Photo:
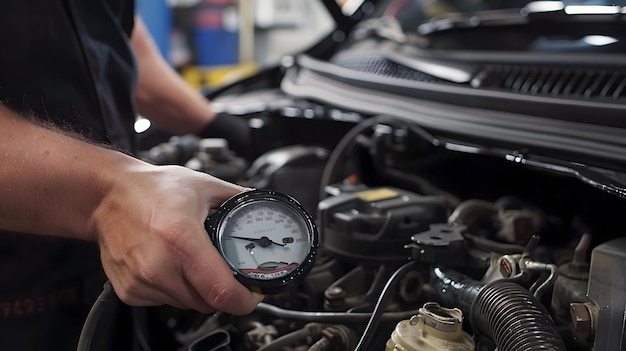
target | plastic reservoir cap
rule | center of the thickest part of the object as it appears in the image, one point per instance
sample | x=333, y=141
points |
x=434, y=328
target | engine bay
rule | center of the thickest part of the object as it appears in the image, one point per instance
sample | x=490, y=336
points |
x=465, y=198
x=426, y=244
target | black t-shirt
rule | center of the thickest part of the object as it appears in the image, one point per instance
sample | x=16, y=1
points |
x=66, y=62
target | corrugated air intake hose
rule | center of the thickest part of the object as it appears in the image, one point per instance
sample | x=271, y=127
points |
x=502, y=310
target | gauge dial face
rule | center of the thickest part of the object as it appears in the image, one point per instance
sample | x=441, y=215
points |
x=264, y=239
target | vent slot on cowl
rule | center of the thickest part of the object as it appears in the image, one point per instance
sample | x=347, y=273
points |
x=553, y=81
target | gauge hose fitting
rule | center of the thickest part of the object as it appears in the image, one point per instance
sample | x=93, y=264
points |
x=502, y=310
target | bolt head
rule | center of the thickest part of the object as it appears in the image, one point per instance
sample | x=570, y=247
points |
x=582, y=326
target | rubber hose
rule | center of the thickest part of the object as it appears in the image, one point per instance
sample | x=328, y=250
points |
x=332, y=317
x=322, y=344
x=286, y=340
x=455, y=289
x=504, y=311
x=484, y=244
x=309, y=330
x=511, y=316
x=106, y=301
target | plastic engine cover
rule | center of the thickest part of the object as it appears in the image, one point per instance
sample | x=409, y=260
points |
x=373, y=226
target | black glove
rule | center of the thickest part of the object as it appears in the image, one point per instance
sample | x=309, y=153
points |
x=232, y=128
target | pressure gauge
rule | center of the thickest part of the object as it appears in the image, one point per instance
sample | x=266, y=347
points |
x=267, y=238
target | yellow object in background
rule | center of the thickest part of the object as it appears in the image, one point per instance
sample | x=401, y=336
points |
x=376, y=194
x=200, y=77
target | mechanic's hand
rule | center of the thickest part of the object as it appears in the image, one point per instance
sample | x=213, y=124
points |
x=234, y=129
x=154, y=248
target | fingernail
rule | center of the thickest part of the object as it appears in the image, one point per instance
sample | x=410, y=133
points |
x=257, y=297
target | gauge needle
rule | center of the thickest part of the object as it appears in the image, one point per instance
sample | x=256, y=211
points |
x=262, y=241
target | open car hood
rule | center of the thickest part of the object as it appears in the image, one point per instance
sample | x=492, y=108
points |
x=537, y=96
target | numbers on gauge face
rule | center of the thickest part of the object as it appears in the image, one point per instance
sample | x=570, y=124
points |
x=264, y=239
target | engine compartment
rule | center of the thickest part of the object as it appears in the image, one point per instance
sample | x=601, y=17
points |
x=416, y=234
x=466, y=199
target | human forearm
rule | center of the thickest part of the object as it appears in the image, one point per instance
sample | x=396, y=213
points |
x=51, y=182
x=148, y=220
x=162, y=95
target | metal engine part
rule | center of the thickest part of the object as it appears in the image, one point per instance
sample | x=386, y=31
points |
x=607, y=290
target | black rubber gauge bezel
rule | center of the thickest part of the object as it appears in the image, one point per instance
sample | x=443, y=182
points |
x=215, y=221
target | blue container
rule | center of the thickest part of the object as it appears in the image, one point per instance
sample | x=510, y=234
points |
x=157, y=16
x=215, y=44
x=216, y=47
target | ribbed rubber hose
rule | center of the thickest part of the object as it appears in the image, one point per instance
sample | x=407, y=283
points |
x=505, y=311
x=512, y=317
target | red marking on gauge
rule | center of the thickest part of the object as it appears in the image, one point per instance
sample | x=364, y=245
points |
x=262, y=271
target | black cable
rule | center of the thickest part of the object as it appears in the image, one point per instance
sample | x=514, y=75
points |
x=139, y=324
x=338, y=152
x=379, y=309
x=348, y=139
x=105, y=301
